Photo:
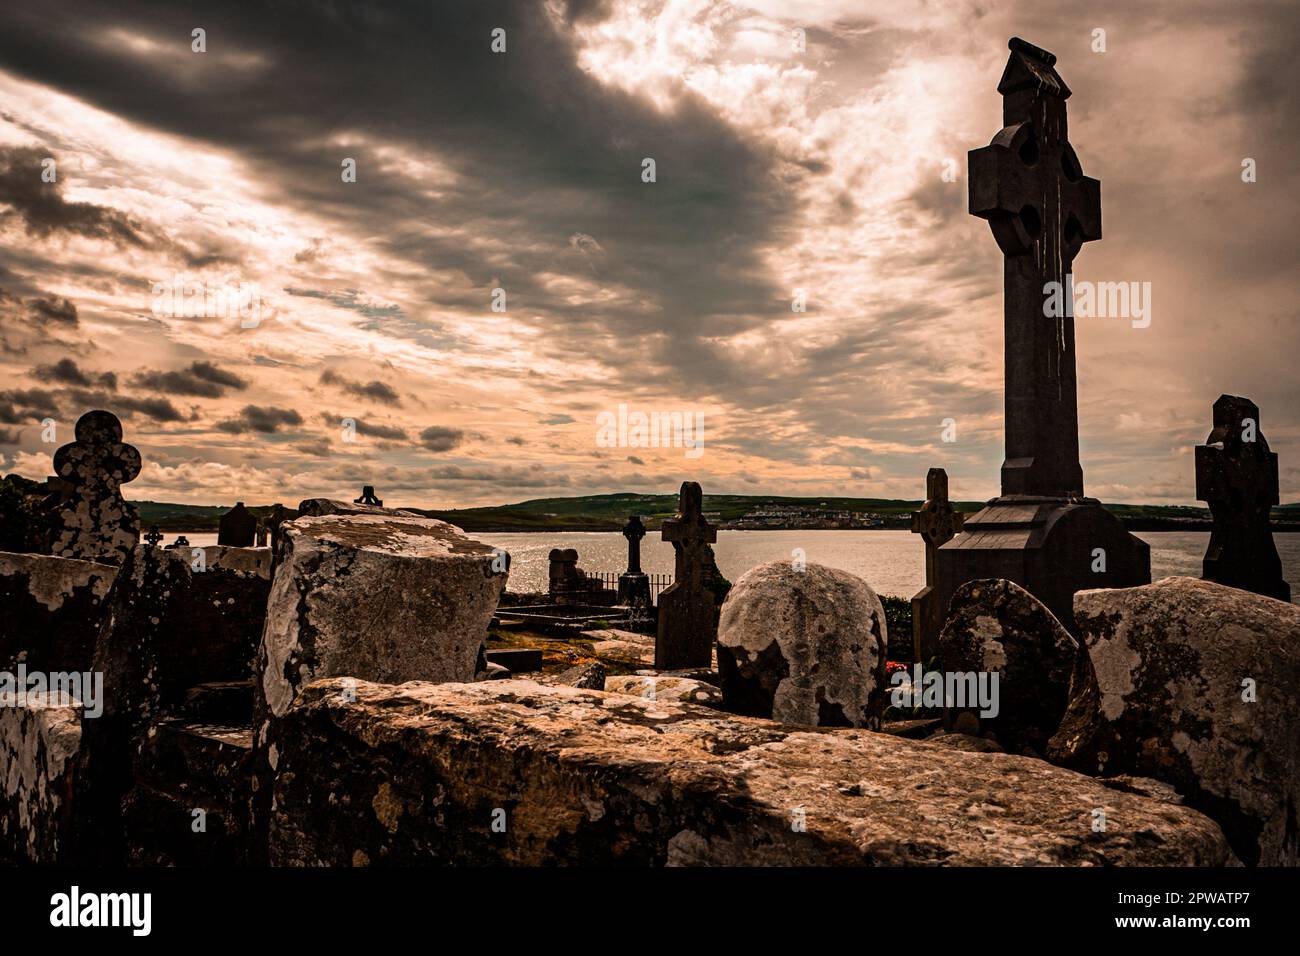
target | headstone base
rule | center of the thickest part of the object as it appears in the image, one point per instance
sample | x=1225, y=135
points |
x=1049, y=546
x=634, y=590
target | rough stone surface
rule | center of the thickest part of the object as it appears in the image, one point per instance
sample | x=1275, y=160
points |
x=40, y=739
x=1170, y=664
x=589, y=676
x=997, y=627
x=681, y=689
x=379, y=597
x=415, y=774
x=52, y=610
x=804, y=647
x=176, y=618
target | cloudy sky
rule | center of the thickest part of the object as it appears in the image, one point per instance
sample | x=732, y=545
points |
x=777, y=169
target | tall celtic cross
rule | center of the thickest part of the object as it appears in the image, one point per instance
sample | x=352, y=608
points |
x=1029, y=186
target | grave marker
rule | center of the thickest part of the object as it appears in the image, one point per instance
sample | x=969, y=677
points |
x=92, y=520
x=688, y=624
x=634, y=584
x=238, y=527
x=937, y=524
x=1236, y=474
x=1042, y=533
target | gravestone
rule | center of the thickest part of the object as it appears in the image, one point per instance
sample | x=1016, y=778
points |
x=92, y=520
x=272, y=522
x=688, y=620
x=154, y=536
x=368, y=497
x=180, y=542
x=1041, y=533
x=937, y=524
x=260, y=535
x=1237, y=475
x=634, y=584
x=238, y=527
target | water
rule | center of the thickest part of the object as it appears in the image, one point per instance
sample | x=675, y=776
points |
x=892, y=562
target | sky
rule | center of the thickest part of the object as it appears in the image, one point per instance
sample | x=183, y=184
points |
x=455, y=323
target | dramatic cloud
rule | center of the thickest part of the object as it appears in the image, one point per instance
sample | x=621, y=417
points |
x=257, y=418
x=201, y=378
x=43, y=209
x=67, y=371
x=373, y=390
x=436, y=438
x=800, y=270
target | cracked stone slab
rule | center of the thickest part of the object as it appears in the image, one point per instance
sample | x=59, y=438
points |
x=516, y=772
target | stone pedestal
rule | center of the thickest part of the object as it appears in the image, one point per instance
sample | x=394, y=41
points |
x=1049, y=546
x=634, y=589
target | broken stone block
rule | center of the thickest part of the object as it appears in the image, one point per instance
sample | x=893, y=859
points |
x=681, y=689
x=804, y=647
x=375, y=596
x=520, y=773
x=1194, y=683
x=52, y=610
x=997, y=627
x=40, y=741
x=176, y=618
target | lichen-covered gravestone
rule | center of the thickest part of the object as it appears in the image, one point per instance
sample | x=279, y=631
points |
x=997, y=627
x=94, y=522
x=804, y=647
x=1198, y=685
x=1237, y=474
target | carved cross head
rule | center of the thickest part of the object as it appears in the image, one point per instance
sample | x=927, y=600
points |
x=1028, y=182
x=98, y=463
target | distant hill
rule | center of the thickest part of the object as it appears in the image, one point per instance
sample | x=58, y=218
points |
x=609, y=512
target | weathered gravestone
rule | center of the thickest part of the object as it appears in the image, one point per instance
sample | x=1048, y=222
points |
x=238, y=527
x=937, y=524
x=1237, y=474
x=1042, y=533
x=688, y=619
x=180, y=542
x=93, y=521
x=154, y=536
x=634, y=584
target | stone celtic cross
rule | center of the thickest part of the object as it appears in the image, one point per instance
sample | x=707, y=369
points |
x=154, y=536
x=1030, y=187
x=687, y=609
x=94, y=521
x=634, y=531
